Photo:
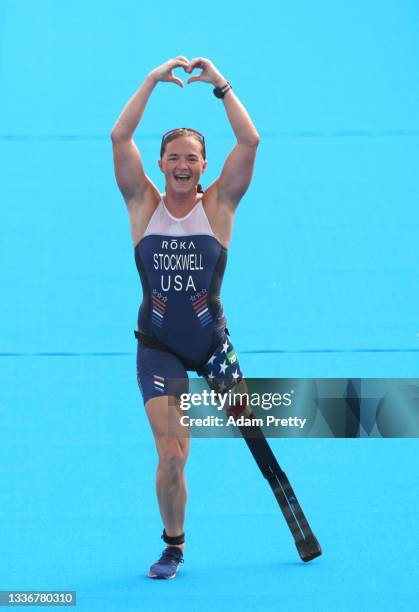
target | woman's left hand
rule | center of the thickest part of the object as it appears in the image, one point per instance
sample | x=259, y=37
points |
x=209, y=73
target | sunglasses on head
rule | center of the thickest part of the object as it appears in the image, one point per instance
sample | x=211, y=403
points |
x=170, y=132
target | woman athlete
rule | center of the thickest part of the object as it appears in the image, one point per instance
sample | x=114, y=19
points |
x=181, y=239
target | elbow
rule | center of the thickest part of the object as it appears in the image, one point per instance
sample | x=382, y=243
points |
x=256, y=140
x=252, y=141
x=117, y=135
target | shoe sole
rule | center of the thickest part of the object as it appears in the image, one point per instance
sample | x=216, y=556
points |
x=157, y=577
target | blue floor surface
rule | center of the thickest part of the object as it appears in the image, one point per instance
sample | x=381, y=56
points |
x=321, y=282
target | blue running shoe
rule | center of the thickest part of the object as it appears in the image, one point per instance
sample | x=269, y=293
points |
x=166, y=567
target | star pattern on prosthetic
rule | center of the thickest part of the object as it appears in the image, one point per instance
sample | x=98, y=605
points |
x=225, y=347
x=211, y=361
x=235, y=375
x=221, y=386
x=211, y=375
x=223, y=367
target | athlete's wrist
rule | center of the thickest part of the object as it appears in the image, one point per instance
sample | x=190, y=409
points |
x=152, y=78
x=220, y=92
x=219, y=80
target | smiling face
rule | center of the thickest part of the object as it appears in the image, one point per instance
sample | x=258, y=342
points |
x=182, y=164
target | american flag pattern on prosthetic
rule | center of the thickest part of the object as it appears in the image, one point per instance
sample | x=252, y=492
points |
x=159, y=383
x=158, y=308
x=222, y=371
x=200, y=306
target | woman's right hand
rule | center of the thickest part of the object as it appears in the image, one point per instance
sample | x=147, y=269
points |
x=164, y=73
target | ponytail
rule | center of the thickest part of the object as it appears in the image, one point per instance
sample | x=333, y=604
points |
x=199, y=188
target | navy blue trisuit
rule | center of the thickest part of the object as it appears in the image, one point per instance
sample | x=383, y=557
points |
x=181, y=323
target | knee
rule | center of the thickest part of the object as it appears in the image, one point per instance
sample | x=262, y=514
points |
x=172, y=460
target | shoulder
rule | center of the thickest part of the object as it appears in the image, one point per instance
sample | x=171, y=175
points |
x=219, y=215
x=141, y=212
x=149, y=198
x=209, y=198
x=214, y=204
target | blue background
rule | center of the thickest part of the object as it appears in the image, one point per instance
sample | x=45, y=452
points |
x=321, y=282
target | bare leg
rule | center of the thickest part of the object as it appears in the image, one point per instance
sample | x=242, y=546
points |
x=172, y=443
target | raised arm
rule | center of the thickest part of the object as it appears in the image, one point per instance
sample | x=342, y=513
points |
x=130, y=176
x=238, y=167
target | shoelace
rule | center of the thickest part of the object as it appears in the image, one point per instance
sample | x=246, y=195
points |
x=169, y=556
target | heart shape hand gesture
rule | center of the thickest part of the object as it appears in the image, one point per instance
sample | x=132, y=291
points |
x=209, y=73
